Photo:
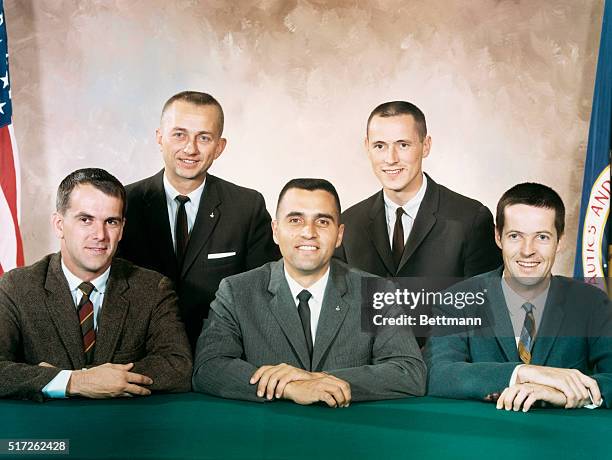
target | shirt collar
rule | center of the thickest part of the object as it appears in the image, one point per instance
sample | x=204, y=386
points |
x=172, y=193
x=317, y=290
x=412, y=206
x=515, y=301
x=74, y=282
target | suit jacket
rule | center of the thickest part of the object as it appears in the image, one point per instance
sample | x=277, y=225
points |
x=452, y=236
x=138, y=323
x=254, y=321
x=575, y=333
x=229, y=219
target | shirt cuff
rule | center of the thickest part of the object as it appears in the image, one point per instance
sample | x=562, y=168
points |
x=56, y=388
x=514, y=375
x=593, y=405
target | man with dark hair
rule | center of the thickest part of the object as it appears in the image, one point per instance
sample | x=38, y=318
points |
x=292, y=328
x=413, y=226
x=81, y=323
x=548, y=338
x=189, y=225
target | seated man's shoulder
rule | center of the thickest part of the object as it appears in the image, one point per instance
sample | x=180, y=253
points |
x=23, y=277
x=139, y=277
x=579, y=290
x=259, y=276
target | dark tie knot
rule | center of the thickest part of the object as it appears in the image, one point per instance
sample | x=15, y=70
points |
x=304, y=296
x=399, y=212
x=182, y=199
x=86, y=288
x=528, y=307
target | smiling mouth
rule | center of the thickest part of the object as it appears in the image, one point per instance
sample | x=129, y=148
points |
x=187, y=162
x=307, y=247
x=393, y=172
x=525, y=264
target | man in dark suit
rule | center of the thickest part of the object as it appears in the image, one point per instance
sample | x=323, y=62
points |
x=80, y=323
x=438, y=233
x=548, y=338
x=292, y=328
x=191, y=226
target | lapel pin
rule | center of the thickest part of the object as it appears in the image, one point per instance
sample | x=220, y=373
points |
x=212, y=214
x=338, y=308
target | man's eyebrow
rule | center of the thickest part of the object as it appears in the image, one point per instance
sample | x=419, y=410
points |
x=184, y=130
x=294, y=214
x=326, y=216
x=84, y=214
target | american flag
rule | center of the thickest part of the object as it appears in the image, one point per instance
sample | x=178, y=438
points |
x=11, y=248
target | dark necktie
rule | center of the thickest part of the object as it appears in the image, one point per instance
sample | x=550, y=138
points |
x=181, y=231
x=398, y=237
x=86, y=319
x=304, y=311
x=528, y=333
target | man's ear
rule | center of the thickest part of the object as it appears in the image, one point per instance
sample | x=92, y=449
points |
x=426, y=146
x=274, y=229
x=340, y=235
x=158, y=136
x=498, y=239
x=220, y=147
x=57, y=222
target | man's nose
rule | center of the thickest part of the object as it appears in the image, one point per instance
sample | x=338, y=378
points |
x=391, y=156
x=191, y=147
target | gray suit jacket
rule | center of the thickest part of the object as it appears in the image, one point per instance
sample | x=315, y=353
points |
x=575, y=333
x=254, y=322
x=138, y=323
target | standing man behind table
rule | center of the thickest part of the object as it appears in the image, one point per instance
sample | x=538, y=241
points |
x=82, y=323
x=413, y=226
x=189, y=225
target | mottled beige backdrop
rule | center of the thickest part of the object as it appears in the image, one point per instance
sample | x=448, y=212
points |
x=506, y=86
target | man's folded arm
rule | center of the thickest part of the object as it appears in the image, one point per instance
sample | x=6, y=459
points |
x=397, y=369
x=17, y=380
x=218, y=368
x=453, y=375
x=168, y=359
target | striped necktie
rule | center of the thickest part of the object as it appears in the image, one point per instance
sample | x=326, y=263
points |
x=86, y=319
x=528, y=333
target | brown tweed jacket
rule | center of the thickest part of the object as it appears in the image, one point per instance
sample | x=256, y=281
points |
x=138, y=323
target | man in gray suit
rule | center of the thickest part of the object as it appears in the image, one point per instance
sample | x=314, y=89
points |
x=548, y=339
x=291, y=329
x=80, y=323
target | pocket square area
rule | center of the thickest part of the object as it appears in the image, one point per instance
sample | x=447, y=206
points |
x=220, y=255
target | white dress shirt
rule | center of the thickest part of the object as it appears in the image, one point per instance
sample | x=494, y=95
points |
x=411, y=208
x=191, y=207
x=317, y=290
x=56, y=388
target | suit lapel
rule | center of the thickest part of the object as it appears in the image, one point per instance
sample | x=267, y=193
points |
x=379, y=234
x=158, y=223
x=207, y=218
x=333, y=312
x=112, y=316
x=551, y=322
x=285, y=311
x=62, y=310
x=424, y=221
x=502, y=324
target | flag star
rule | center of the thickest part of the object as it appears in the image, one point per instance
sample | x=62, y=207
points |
x=4, y=80
x=2, y=104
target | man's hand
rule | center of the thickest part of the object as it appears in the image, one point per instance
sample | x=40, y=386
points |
x=524, y=395
x=108, y=381
x=328, y=389
x=571, y=382
x=273, y=379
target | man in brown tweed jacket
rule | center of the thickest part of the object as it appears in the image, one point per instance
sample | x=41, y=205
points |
x=80, y=323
